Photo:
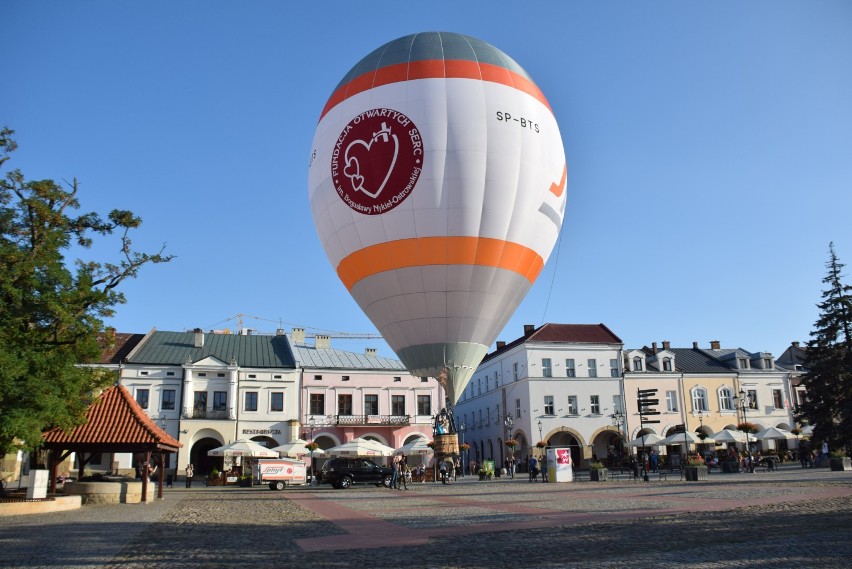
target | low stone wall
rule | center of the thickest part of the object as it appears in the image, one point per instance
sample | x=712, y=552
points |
x=58, y=504
x=106, y=492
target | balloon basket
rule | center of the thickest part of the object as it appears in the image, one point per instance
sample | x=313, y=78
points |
x=446, y=445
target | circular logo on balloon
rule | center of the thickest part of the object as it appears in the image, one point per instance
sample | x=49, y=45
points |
x=376, y=161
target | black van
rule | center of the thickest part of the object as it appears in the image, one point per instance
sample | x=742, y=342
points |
x=343, y=472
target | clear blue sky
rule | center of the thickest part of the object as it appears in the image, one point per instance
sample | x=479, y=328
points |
x=709, y=148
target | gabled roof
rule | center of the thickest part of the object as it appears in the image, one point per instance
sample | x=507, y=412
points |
x=312, y=357
x=121, y=348
x=694, y=360
x=176, y=348
x=563, y=333
x=114, y=423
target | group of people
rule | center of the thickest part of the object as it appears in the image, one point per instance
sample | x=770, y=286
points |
x=537, y=467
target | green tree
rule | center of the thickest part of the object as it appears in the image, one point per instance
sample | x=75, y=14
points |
x=52, y=311
x=828, y=405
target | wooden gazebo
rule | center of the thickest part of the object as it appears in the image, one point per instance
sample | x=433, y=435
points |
x=114, y=423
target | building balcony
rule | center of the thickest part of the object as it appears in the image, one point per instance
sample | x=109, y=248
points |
x=362, y=420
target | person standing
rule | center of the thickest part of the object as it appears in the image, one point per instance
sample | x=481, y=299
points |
x=533, y=468
x=190, y=472
x=394, y=484
x=654, y=460
x=543, y=468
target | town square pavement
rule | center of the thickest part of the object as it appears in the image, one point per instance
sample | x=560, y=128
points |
x=793, y=517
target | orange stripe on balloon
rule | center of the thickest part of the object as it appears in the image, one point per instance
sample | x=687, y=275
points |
x=434, y=69
x=557, y=189
x=425, y=251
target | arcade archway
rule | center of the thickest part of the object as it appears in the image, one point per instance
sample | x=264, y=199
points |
x=202, y=463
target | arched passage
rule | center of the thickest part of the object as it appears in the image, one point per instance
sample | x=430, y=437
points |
x=202, y=463
x=570, y=439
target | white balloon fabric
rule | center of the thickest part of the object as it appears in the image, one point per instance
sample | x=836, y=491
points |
x=437, y=186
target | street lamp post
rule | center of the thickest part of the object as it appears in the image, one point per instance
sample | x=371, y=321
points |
x=701, y=432
x=311, y=424
x=540, y=435
x=618, y=421
x=509, y=423
x=462, y=429
x=743, y=401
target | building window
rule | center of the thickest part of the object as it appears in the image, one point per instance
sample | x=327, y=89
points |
x=613, y=368
x=344, y=378
x=593, y=368
x=801, y=395
x=726, y=399
x=699, y=399
x=397, y=379
x=317, y=378
x=170, y=373
x=572, y=405
x=398, y=405
x=515, y=371
x=143, y=373
x=546, y=368
x=517, y=408
x=777, y=399
x=570, y=371
x=595, y=402
x=425, y=379
x=671, y=401
x=199, y=403
x=202, y=374
x=276, y=401
x=548, y=405
x=637, y=363
x=752, y=398
x=767, y=363
x=488, y=415
x=667, y=364
x=251, y=401
x=276, y=377
x=371, y=404
x=616, y=404
x=743, y=363
x=222, y=375
x=220, y=400
x=317, y=403
x=250, y=376
x=479, y=386
x=142, y=397
x=496, y=381
x=344, y=404
x=168, y=401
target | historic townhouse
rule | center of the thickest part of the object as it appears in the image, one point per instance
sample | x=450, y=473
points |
x=559, y=383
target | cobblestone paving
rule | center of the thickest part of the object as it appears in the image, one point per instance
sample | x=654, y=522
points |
x=729, y=522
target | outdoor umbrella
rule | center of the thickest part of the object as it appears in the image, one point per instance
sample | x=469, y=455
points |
x=297, y=449
x=649, y=440
x=244, y=447
x=684, y=438
x=729, y=436
x=416, y=447
x=807, y=431
x=774, y=434
x=360, y=447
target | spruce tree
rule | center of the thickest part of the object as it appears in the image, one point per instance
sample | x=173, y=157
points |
x=828, y=405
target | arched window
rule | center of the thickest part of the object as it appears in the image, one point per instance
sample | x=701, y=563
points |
x=637, y=364
x=726, y=399
x=699, y=399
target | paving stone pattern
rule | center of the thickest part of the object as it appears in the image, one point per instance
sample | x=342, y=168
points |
x=792, y=518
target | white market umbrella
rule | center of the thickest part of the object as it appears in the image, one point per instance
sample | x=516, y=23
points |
x=245, y=448
x=729, y=436
x=416, y=447
x=807, y=431
x=297, y=449
x=774, y=434
x=649, y=440
x=360, y=447
x=684, y=438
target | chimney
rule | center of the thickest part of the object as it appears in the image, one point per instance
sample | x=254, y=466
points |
x=298, y=335
x=199, y=337
x=371, y=352
x=795, y=344
x=654, y=347
x=529, y=329
x=501, y=344
x=667, y=345
x=323, y=342
x=279, y=332
x=694, y=345
x=715, y=345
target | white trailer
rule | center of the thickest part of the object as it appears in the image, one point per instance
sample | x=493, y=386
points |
x=279, y=471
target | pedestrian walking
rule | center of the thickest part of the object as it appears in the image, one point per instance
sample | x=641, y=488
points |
x=190, y=471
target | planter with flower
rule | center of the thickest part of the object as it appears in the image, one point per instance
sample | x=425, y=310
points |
x=598, y=472
x=837, y=460
x=312, y=447
x=486, y=471
x=748, y=427
x=464, y=447
x=695, y=469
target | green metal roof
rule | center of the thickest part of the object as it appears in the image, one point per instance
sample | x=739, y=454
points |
x=175, y=348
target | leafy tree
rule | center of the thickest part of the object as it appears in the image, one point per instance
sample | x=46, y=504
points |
x=828, y=406
x=51, y=314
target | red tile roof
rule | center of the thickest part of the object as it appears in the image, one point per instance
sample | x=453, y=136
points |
x=114, y=422
x=569, y=333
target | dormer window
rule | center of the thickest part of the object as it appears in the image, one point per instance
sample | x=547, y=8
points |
x=667, y=364
x=637, y=363
x=767, y=363
x=743, y=363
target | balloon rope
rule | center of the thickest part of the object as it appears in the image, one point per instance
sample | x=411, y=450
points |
x=553, y=278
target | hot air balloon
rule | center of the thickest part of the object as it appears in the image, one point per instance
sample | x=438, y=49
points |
x=437, y=187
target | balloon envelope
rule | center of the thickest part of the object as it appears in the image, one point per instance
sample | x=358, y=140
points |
x=437, y=187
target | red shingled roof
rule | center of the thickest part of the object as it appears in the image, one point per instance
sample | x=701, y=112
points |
x=114, y=423
x=575, y=333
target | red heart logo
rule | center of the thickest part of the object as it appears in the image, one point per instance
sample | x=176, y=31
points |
x=370, y=163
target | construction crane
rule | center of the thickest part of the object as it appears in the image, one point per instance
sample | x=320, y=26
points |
x=331, y=334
